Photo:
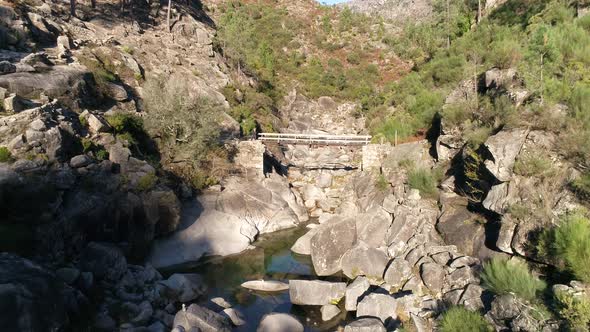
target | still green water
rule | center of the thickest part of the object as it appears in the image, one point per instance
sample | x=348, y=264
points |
x=270, y=259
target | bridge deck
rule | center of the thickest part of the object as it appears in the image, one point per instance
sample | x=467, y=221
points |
x=323, y=139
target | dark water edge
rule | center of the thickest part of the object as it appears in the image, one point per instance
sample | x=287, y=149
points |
x=269, y=259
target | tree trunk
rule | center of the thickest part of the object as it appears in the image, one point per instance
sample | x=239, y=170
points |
x=448, y=25
x=168, y=16
x=475, y=61
x=542, y=82
x=73, y=7
x=478, y=11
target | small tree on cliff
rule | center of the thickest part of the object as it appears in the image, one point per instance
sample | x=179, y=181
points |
x=73, y=7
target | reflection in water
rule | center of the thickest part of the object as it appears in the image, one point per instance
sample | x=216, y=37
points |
x=271, y=259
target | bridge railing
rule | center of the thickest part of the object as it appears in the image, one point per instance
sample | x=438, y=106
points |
x=322, y=139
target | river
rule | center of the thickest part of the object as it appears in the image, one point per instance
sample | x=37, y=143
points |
x=269, y=259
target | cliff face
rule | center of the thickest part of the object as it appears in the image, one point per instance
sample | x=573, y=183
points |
x=399, y=11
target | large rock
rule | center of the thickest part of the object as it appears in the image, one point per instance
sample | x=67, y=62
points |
x=372, y=227
x=362, y=260
x=504, y=147
x=407, y=219
x=303, y=245
x=365, y=325
x=13, y=103
x=398, y=272
x=315, y=292
x=330, y=243
x=260, y=204
x=497, y=78
x=276, y=322
x=169, y=210
x=415, y=152
x=184, y=287
x=96, y=123
x=382, y=306
x=105, y=261
x=455, y=221
x=433, y=276
x=497, y=198
x=7, y=68
x=204, y=231
x=117, y=92
x=43, y=30
x=329, y=311
x=506, y=234
x=72, y=85
x=33, y=299
x=354, y=291
x=201, y=319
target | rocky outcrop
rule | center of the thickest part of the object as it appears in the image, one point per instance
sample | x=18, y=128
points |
x=503, y=148
x=72, y=85
x=226, y=222
x=456, y=220
x=32, y=298
x=78, y=195
x=321, y=116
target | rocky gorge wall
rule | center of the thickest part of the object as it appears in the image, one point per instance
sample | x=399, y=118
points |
x=91, y=218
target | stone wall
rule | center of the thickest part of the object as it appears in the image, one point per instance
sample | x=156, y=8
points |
x=250, y=157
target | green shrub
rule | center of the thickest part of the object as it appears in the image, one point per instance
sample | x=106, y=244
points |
x=402, y=124
x=532, y=165
x=424, y=180
x=575, y=309
x=83, y=121
x=5, y=155
x=454, y=115
x=127, y=49
x=130, y=128
x=505, y=53
x=125, y=123
x=102, y=154
x=581, y=186
x=477, y=136
x=147, y=182
x=406, y=164
x=201, y=180
x=502, y=276
x=572, y=245
x=87, y=145
x=459, y=319
x=381, y=183
x=353, y=58
x=519, y=211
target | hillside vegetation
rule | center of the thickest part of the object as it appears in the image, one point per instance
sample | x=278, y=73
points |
x=355, y=57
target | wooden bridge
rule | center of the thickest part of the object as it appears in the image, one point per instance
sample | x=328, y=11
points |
x=315, y=139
